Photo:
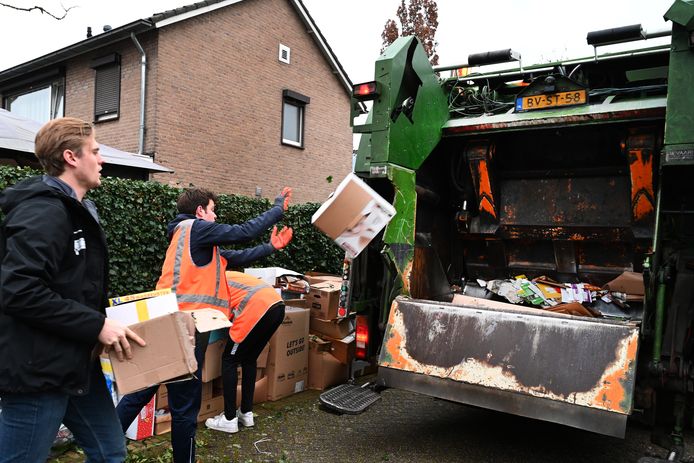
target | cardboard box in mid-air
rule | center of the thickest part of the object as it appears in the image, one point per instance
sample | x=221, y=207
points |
x=353, y=215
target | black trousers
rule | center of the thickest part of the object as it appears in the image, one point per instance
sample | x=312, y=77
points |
x=184, y=403
x=246, y=354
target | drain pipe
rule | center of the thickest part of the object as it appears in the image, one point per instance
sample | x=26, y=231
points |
x=143, y=86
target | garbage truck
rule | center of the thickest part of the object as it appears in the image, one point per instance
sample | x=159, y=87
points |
x=576, y=172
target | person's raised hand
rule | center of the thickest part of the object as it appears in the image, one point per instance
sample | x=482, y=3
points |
x=283, y=198
x=114, y=335
x=280, y=239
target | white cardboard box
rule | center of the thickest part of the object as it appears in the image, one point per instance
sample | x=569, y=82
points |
x=144, y=309
x=353, y=215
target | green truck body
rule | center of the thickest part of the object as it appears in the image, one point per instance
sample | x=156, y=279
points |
x=486, y=185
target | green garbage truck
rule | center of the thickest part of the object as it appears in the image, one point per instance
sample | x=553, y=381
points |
x=574, y=171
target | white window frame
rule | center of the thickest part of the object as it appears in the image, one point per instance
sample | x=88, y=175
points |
x=56, y=98
x=298, y=101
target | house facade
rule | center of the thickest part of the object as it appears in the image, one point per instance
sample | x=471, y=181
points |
x=240, y=96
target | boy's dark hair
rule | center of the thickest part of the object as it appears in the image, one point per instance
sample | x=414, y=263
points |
x=190, y=199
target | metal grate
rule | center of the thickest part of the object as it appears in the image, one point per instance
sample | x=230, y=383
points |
x=349, y=398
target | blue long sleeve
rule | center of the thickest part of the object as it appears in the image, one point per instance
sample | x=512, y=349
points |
x=243, y=257
x=205, y=235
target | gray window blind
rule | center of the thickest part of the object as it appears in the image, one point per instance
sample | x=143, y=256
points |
x=107, y=92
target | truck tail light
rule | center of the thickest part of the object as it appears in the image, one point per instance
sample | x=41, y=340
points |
x=365, y=91
x=362, y=336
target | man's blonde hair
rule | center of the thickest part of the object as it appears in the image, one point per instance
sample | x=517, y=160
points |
x=56, y=136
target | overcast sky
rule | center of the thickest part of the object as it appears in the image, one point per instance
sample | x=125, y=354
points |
x=541, y=30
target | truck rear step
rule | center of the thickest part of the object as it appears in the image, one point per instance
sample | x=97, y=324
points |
x=349, y=398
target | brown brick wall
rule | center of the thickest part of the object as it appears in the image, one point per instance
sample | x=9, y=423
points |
x=214, y=102
x=219, y=103
x=121, y=133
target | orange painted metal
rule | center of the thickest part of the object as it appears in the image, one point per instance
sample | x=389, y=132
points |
x=479, y=156
x=640, y=148
x=641, y=169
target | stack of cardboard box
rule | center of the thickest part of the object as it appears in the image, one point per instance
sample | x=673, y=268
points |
x=331, y=343
x=212, y=387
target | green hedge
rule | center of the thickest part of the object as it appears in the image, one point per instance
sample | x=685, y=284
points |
x=135, y=214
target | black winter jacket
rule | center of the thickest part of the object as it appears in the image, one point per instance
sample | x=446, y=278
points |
x=53, y=282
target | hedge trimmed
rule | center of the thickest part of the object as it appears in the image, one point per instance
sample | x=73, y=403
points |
x=135, y=214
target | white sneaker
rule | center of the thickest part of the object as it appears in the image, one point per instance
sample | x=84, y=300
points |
x=220, y=423
x=246, y=419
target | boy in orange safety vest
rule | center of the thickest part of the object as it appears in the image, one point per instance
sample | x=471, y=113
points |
x=195, y=268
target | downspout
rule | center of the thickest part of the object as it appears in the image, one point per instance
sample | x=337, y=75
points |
x=143, y=86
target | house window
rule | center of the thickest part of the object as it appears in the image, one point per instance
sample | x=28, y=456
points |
x=293, y=117
x=40, y=102
x=107, y=87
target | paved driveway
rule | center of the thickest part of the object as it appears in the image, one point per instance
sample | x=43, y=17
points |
x=402, y=427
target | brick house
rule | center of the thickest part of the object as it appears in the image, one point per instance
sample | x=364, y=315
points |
x=240, y=96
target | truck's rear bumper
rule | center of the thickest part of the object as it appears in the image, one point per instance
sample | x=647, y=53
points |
x=590, y=419
x=571, y=370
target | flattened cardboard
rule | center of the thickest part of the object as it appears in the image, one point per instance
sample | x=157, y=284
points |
x=168, y=354
x=324, y=299
x=629, y=283
x=353, y=215
x=287, y=364
x=209, y=319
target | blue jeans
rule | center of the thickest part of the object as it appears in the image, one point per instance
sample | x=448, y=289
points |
x=29, y=423
x=184, y=405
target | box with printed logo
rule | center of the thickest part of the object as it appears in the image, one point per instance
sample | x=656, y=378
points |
x=287, y=363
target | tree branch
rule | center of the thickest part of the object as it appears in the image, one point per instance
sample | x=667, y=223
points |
x=41, y=9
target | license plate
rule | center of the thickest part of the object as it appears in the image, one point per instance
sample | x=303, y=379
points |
x=551, y=100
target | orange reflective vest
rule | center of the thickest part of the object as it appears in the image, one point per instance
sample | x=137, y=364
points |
x=195, y=287
x=250, y=298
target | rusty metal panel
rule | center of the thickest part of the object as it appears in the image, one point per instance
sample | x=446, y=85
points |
x=566, y=202
x=582, y=362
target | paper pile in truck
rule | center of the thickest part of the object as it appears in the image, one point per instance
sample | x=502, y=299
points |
x=613, y=300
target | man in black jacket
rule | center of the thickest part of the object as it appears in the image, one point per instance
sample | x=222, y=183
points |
x=53, y=283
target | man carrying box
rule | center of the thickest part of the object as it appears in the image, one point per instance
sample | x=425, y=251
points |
x=53, y=291
x=194, y=269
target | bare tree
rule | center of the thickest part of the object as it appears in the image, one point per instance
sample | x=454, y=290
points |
x=419, y=18
x=40, y=9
